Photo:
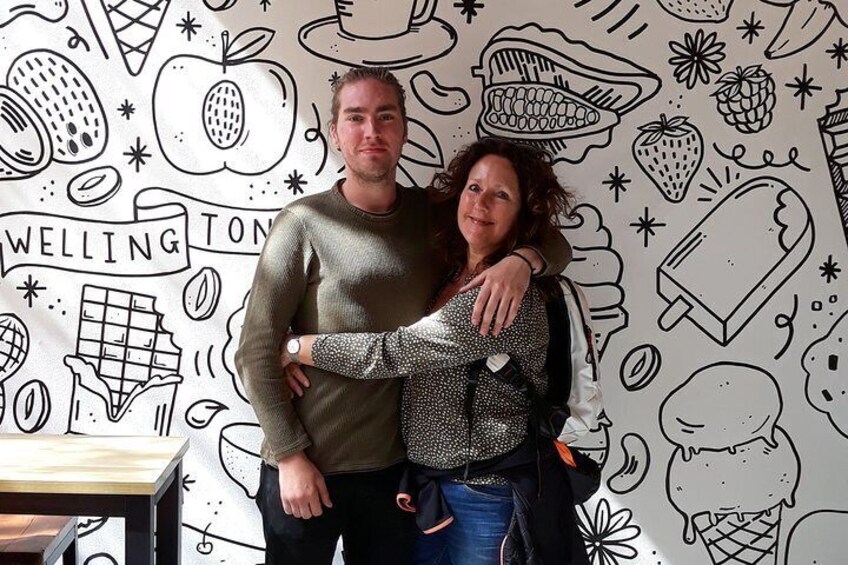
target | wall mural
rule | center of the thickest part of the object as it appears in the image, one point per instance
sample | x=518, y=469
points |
x=146, y=147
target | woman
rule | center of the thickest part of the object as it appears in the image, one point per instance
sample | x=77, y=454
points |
x=493, y=197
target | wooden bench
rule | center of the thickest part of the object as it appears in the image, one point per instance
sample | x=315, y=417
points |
x=37, y=540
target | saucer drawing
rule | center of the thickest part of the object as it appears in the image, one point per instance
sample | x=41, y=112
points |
x=431, y=40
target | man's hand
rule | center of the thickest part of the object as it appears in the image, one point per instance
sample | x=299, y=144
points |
x=296, y=379
x=502, y=287
x=302, y=487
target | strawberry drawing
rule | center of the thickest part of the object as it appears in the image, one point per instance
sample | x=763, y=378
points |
x=669, y=151
x=712, y=11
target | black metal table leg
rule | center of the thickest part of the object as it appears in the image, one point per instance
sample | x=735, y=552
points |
x=138, y=543
x=169, y=521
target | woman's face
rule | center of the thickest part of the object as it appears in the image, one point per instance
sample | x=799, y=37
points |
x=489, y=205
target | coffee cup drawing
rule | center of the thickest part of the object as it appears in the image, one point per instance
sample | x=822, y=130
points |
x=392, y=33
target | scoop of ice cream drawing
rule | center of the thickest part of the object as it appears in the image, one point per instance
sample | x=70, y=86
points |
x=721, y=406
x=730, y=264
x=733, y=470
x=827, y=388
x=818, y=539
x=596, y=267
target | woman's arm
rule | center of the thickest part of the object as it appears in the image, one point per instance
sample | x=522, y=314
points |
x=443, y=339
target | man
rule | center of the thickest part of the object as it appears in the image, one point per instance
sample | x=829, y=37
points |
x=354, y=258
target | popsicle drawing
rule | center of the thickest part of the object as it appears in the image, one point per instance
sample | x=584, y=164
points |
x=729, y=265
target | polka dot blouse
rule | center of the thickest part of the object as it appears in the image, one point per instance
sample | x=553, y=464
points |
x=436, y=353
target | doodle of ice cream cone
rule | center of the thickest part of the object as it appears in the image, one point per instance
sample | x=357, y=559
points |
x=741, y=539
x=135, y=24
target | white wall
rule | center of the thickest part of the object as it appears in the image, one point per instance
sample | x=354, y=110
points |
x=715, y=263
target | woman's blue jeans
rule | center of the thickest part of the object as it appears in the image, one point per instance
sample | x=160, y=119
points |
x=481, y=518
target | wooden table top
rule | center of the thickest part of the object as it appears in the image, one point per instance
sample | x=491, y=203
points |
x=72, y=464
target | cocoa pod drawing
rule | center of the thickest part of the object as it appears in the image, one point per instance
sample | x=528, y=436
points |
x=542, y=88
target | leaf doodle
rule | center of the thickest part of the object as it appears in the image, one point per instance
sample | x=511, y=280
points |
x=201, y=413
x=247, y=44
x=422, y=147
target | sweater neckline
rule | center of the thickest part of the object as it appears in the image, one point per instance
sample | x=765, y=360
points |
x=371, y=216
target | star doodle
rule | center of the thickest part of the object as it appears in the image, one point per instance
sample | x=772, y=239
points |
x=189, y=26
x=137, y=154
x=839, y=52
x=646, y=225
x=830, y=269
x=751, y=28
x=187, y=482
x=265, y=4
x=295, y=182
x=468, y=9
x=127, y=109
x=30, y=288
x=334, y=79
x=617, y=182
x=803, y=87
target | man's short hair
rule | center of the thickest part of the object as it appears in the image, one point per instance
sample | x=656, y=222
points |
x=357, y=74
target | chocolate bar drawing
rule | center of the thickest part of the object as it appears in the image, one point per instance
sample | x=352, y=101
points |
x=833, y=128
x=725, y=270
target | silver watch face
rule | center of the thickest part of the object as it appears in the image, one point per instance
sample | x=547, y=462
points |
x=293, y=346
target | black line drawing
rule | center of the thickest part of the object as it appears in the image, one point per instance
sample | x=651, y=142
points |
x=265, y=4
x=738, y=152
x=751, y=28
x=213, y=115
x=236, y=543
x=831, y=130
x=607, y=533
x=787, y=321
x=65, y=101
x=30, y=288
x=805, y=22
x=839, y=53
x=803, y=87
x=646, y=225
x=125, y=368
x=295, y=182
x=597, y=268
x=49, y=10
x=200, y=414
x=94, y=186
x=422, y=148
x=818, y=537
x=830, y=270
x=719, y=184
x=634, y=469
x=704, y=11
x=390, y=33
x=101, y=558
x=468, y=8
x=825, y=387
x=754, y=468
x=596, y=444
x=138, y=154
x=746, y=98
x=127, y=109
x=542, y=88
x=238, y=450
x=135, y=25
x=189, y=26
x=779, y=238
x=314, y=134
x=26, y=147
x=201, y=294
x=696, y=59
x=87, y=526
x=32, y=406
x=640, y=366
x=76, y=40
x=618, y=20
x=669, y=151
x=228, y=352
x=94, y=29
x=14, y=347
x=617, y=182
x=219, y=5
x=439, y=99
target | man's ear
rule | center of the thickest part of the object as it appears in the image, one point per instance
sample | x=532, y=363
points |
x=333, y=136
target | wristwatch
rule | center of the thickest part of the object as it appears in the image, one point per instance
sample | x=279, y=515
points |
x=293, y=348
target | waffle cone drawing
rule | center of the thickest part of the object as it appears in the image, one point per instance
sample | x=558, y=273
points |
x=745, y=539
x=135, y=24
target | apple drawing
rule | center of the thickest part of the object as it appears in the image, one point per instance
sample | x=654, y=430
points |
x=236, y=114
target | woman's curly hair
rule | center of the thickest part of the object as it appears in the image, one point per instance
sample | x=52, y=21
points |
x=543, y=198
